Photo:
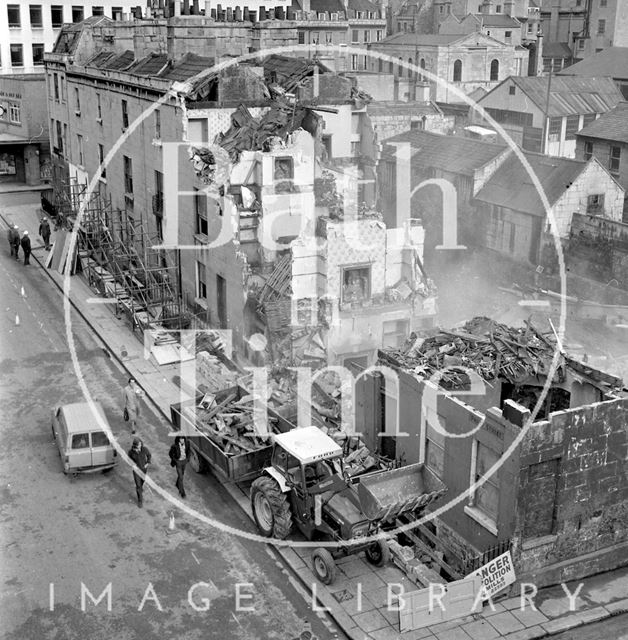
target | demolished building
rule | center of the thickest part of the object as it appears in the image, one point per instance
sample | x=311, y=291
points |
x=530, y=441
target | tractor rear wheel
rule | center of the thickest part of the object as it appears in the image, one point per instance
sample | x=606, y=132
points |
x=377, y=553
x=324, y=565
x=271, y=508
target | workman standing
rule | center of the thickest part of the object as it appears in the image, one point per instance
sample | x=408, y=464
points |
x=26, y=247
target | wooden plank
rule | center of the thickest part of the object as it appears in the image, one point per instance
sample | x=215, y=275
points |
x=428, y=550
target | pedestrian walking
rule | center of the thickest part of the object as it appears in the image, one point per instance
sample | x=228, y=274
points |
x=44, y=232
x=13, y=236
x=131, y=397
x=26, y=247
x=142, y=458
x=14, y=240
x=179, y=455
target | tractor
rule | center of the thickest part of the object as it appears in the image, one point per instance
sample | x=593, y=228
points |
x=307, y=485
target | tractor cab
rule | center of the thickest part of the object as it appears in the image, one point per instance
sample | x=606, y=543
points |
x=309, y=461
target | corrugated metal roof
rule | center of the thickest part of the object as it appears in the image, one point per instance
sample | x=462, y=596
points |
x=151, y=65
x=450, y=153
x=569, y=95
x=80, y=416
x=612, y=125
x=421, y=38
x=511, y=186
x=100, y=59
x=611, y=63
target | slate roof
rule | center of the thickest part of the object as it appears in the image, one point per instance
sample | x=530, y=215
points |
x=68, y=37
x=612, y=125
x=497, y=20
x=363, y=5
x=114, y=62
x=611, y=63
x=511, y=186
x=557, y=50
x=186, y=67
x=151, y=65
x=451, y=153
x=329, y=6
x=421, y=38
x=569, y=95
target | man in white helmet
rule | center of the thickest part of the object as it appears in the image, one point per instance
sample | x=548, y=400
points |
x=26, y=247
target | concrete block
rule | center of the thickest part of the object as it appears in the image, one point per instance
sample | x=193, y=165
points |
x=528, y=617
x=617, y=606
x=371, y=621
x=481, y=630
x=527, y=634
x=506, y=623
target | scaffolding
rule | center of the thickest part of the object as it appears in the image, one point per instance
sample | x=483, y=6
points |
x=116, y=254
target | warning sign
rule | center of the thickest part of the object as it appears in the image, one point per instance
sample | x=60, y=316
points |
x=497, y=574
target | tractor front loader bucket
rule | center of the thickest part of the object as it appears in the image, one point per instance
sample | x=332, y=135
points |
x=386, y=495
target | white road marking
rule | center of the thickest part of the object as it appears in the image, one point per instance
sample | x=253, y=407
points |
x=195, y=558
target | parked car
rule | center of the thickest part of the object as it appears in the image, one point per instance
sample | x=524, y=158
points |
x=83, y=446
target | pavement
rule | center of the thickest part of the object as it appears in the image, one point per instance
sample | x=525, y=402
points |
x=358, y=599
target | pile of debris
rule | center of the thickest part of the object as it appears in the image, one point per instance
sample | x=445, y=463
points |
x=490, y=349
x=230, y=423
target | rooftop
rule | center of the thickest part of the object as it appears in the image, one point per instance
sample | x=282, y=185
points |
x=497, y=20
x=557, y=50
x=421, y=39
x=451, y=153
x=612, y=125
x=568, y=95
x=611, y=63
x=511, y=186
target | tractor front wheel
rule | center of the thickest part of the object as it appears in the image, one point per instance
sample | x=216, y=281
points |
x=324, y=565
x=377, y=553
x=271, y=508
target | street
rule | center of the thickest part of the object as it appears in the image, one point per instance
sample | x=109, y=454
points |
x=62, y=539
x=613, y=628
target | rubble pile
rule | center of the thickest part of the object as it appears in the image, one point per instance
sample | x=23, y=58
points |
x=230, y=423
x=490, y=349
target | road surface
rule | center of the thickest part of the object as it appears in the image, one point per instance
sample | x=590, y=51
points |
x=65, y=543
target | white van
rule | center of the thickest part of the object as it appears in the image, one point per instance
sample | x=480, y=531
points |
x=83, y=446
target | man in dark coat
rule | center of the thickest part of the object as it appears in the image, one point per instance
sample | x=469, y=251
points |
x=26, y=247
x=44, y=232
x=141, y=457
x=13, y=236
x=179, y=454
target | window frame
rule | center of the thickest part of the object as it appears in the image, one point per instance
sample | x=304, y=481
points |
x=124, y=106
x=588, y=150
x=201, y=224
x=17, y=47
x=56, y=9
x=473, y=509
x=344, y=273
x=494, y=70
x=37, y=61
x=34, y=23
x=76, y=9
x=127, y=171
x=201, y=281
x=15, y=116
x=101, y=159
x=457, y=70
x=614, y=160
x=12, y=11
x=80, y=149
x=601, y=26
